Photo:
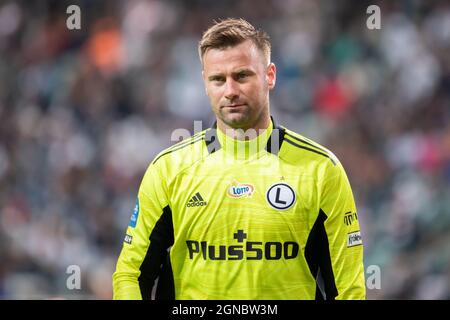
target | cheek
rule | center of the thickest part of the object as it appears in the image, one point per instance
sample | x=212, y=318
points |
x=255, y=91
x=214, y=94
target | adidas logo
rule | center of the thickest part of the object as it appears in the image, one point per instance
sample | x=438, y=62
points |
x=196, y=201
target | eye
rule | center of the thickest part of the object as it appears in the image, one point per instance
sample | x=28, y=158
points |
x=217, y=79
x=241, y=75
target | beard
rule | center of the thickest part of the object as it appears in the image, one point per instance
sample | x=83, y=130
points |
x=240, y=117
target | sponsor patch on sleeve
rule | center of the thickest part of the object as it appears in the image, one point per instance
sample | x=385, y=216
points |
x=350, y=217
x=354, y=239
x=134, y=215
x=128, y=239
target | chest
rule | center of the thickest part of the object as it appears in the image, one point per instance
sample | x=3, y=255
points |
x=264, y=196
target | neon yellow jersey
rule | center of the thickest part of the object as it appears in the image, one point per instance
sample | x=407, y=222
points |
x=269, y=218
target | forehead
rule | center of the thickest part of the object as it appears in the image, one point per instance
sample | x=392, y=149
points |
x=245, y=54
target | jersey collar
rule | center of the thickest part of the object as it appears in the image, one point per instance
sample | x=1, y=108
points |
x=273, y=144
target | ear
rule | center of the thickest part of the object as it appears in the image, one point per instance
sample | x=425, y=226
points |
x=204, y=82
x=271, y=75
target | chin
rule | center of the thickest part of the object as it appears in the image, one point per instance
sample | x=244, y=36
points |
x=235, y=118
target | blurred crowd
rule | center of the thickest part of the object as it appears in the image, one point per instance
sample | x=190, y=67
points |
x=83, y=112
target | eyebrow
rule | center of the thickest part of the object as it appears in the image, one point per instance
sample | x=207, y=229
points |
x=215, y=76
x=219, y=75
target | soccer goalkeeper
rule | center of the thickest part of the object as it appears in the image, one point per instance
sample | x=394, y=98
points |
x=246, y=209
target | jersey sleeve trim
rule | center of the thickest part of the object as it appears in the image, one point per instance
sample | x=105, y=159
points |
x=317, y=254
x=161, y=238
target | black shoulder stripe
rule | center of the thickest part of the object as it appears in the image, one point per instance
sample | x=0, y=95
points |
x=200, y=138
x=211, y=139
x=186, y=141
x=275, y=140
x=306, y=142
x=310, y=149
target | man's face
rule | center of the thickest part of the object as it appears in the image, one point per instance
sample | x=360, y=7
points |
x=238, y=81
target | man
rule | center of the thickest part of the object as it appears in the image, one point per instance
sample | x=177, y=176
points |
x=246, y=209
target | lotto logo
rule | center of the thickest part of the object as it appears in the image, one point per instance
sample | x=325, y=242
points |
x=239, y=190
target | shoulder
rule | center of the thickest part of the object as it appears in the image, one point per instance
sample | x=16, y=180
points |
x=181, y=148
x=172, y=160
x=298, y=149
x=180, y=155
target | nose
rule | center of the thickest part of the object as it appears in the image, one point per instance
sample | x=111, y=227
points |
x=231, y=89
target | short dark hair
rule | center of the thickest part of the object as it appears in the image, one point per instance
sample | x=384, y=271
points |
x=231, y=32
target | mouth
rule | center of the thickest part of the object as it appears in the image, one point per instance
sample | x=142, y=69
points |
x=234, y=105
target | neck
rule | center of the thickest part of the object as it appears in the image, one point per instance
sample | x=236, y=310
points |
x=246, y=147
x=244, y=133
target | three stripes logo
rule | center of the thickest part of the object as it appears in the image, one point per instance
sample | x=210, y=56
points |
x=196, y=201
